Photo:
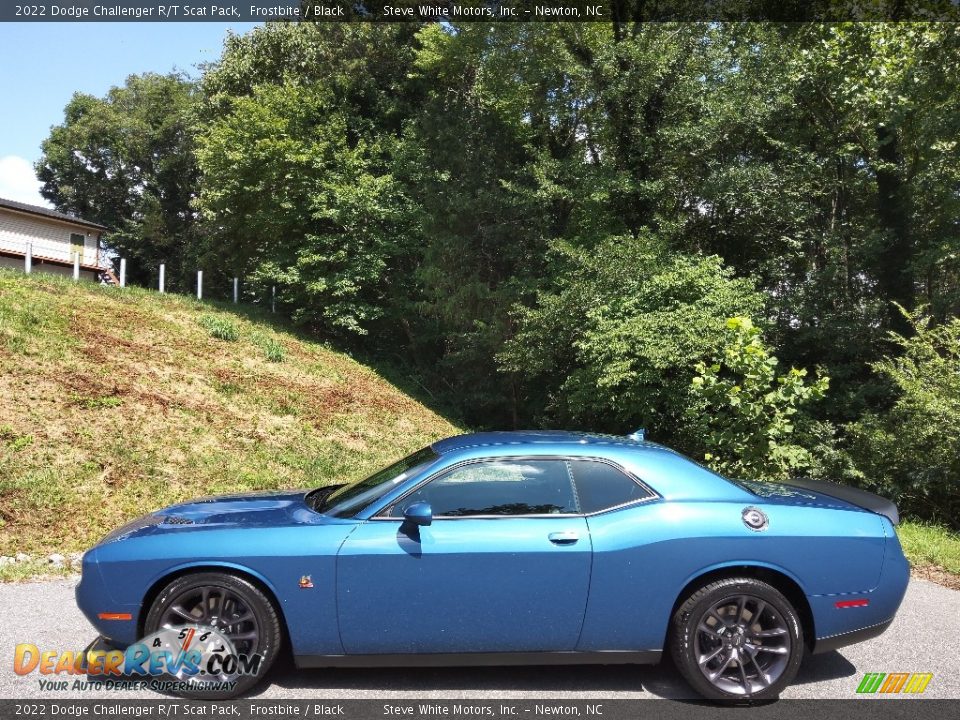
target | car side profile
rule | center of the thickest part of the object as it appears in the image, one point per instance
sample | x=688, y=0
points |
x=512, y=548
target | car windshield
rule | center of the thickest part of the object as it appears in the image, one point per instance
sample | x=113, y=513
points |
x=348, y=500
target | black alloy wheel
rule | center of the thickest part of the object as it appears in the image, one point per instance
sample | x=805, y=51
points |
x=231, y=605
x=737, y=639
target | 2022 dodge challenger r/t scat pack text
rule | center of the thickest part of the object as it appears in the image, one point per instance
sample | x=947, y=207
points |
x=515, y=548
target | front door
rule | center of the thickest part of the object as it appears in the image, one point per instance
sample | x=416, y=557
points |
x=504, y=567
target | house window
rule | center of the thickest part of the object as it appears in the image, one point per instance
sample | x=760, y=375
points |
x=76, y=244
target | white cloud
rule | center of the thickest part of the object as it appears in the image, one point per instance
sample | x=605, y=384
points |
x=19, y=182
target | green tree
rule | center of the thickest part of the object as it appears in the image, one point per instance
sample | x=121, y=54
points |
x=827, y=168
x=127, y=161
x=745, y=414
x=614, y=343
x=298, y=187
x=910, y=452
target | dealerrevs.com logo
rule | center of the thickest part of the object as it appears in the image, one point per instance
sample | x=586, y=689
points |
x=894, y=683
x=190, y=657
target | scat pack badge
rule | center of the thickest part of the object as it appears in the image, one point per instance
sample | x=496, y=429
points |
x=305, y=582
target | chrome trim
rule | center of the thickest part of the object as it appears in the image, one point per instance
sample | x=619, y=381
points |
x=641, y=501
x=653, y=494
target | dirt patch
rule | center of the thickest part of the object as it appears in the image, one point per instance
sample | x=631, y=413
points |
x=84, y=385
x=936, y=574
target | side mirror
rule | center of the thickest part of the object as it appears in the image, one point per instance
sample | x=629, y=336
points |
x=420, y=513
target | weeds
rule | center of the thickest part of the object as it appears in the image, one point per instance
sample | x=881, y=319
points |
x=220, y=328
x=273, y=350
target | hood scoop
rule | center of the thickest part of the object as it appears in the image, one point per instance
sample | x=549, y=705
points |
x=177, y=520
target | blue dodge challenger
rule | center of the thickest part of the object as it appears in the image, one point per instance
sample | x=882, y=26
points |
x=513, y=548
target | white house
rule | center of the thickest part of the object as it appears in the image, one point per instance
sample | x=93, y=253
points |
x=53, y=239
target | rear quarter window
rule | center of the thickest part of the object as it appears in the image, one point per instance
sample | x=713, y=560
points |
x=601, y=486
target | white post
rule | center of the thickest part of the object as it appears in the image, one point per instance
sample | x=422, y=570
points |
x=28, y=259
x=273, y=298
x=76, y=266
x=123, y=272
x=235, y=290
x=199, y=284
x=163, y=272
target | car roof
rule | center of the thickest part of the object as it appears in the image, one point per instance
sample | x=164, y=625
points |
x=672, y=475
x=534, y=437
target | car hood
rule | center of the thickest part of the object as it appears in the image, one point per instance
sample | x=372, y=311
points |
x=256, y=509
x=247, y=508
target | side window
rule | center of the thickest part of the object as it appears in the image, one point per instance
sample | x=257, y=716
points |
x=502, y=487
x=601, y=486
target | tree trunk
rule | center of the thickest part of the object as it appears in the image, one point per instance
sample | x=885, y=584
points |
x=895, y=270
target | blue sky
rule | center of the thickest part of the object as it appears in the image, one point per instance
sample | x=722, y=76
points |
x=43, y=64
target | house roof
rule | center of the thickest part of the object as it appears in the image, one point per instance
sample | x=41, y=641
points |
x=47, y=213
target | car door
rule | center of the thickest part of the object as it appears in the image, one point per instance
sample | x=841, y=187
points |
x=503, y=567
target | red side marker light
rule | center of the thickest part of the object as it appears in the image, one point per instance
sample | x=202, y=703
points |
x=862, y=602
x=115, y=616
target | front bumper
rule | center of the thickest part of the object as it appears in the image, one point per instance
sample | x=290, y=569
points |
x=116, y=622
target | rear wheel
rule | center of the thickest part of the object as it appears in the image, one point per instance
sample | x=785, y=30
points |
x=232, y=606
x=737, y=639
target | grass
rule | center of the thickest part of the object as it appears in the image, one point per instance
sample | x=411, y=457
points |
x=221, y=328
x=114, y=403
x=272, y=350
x=926, y=544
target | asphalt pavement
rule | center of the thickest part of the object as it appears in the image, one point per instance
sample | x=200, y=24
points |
x=922, y=639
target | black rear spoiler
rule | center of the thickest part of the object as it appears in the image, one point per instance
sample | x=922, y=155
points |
x=854, y=496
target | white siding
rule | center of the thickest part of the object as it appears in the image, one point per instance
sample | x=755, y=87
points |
x=50, y=238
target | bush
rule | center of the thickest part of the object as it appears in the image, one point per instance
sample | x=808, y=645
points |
x=220, y=328
x=745, y=414
x=614, y=344
x=910, y=453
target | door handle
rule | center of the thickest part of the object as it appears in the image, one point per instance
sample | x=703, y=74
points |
x=568, y=537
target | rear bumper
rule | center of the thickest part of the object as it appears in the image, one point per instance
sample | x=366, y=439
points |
x=839, y=624
x=849, y=638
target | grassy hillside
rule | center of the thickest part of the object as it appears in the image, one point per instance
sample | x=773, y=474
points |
x=116, y=402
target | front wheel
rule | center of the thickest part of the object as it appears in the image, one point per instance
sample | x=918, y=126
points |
x=737, y=639
x=236, y=610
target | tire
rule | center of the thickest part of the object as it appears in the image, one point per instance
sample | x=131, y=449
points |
x=247, y=601
x=737, y=639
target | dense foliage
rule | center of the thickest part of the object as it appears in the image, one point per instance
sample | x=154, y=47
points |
x=746, y=414
x=552, y=224
x=910, y=451
x=617, y=341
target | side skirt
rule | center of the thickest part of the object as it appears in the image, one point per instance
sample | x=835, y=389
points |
x=609, y=657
